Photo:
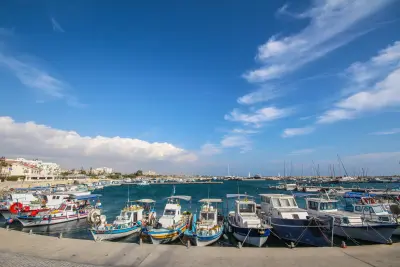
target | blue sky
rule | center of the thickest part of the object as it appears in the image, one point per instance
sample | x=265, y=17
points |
x=192, y=86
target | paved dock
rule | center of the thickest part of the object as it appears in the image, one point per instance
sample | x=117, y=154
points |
x=21, y=249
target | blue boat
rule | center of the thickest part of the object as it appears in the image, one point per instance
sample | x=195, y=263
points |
x=244, y=222
x=292, y=223
x=209, y=226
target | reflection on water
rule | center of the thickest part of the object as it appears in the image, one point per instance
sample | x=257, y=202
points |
x=114, y=198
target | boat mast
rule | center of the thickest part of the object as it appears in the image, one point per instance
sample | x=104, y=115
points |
x=345, y=172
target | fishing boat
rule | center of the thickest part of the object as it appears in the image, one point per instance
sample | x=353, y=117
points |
x=209, y=227
x=171, y=225
x=143, y=183
x=74, y=208
x=348, y=224
x=129, y=222
x=244, y=222
x=292, y=223
x=15, y=204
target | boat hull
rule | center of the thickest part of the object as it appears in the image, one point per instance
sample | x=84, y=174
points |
x=29, y=221
x=99, y=235
x=381, y=233
x=252, y=236
x=202, y=241
x=9, y=215
x=163, y=235
x=315, y=233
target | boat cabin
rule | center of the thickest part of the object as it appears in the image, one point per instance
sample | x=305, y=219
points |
x=329, y=207
x=54, y=200
x=24, y=198
x=370, y=212
x=173, y=211
x=148, y=213
x=281, y=206
x=129, y=215
x=208, y=214
x=245, y=214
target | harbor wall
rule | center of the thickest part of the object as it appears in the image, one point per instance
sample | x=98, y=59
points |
x=129, y=254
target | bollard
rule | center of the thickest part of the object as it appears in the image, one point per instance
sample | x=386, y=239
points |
x=140, y=241
x=239, y=245
x=343, y=245
x=188, y=243
x=7, y=227
x=30, y=232
x=60, y=236
x=292, y=245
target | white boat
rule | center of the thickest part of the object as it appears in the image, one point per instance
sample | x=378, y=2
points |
x=290, y=187
x=209, y=227
x=130, y=221
x=292, y=223
x=72, y=209
x=350, y=225
x=19, y=203
x=143, y=183
x=171, y=225
x=244, y=222
x=115, y=183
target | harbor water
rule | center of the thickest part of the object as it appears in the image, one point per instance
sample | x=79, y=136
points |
x=114, y=198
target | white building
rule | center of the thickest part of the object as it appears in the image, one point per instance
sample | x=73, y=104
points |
x=150, y=173
x=31, y=169
x=102, y=170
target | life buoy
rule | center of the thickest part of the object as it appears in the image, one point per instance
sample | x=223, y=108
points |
x=34, y=213
x=26, y=208
x=16, y=207
x=372, y=201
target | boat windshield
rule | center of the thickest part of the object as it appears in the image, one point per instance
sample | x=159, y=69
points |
x=328, y=206
x=247, y=208
x=378, y=209
x=207, y=216
x=169, y=212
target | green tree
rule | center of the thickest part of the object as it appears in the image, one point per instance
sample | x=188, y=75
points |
x=139, y=173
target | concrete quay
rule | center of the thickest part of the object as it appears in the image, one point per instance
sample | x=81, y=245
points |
x=21, y=249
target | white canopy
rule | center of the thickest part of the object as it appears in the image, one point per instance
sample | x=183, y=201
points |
x=237, y=195
x=187, y=198
x=209, y=200
x=145, y=200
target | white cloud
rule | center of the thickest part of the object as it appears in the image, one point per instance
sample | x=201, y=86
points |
x=244, y=131
x=36, y=140
x=259, y=116
x=385, y=94
x=240, y=141
x=56, y=25
x=302, y=152
x=290, y=132
x=331, y=25
x=389, y=132
x=210, y=149
x=374, y=86
x=263, y=94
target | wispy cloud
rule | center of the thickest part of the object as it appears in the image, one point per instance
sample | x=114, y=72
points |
x=39, y=79
x=302, y=152
x=56, y=25
x=244, y=131
x=238, y=141
x=389, y=132
x=375, y=156
x=376, y=84
x=290, y=132
x=210, y=149
x=265, y=93
x=258, y=117
x=332, y=25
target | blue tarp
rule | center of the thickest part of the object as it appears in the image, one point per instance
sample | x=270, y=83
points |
x=357, y=195
x=92, y=196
